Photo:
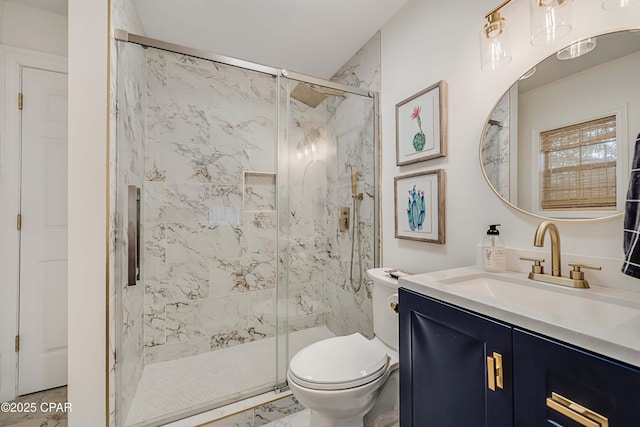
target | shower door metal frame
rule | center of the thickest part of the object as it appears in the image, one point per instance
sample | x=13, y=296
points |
x=124, y=36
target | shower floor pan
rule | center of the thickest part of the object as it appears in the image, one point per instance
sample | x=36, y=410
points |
x=179, y=388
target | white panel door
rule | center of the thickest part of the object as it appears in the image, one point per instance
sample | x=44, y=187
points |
x=42, y=360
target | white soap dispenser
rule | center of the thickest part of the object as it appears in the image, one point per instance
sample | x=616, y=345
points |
x=493, y=251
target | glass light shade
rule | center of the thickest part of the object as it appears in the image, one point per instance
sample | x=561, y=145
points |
x=550, y=20
x=529, y=73
x=577, y=49
x=494, y=45
x=617, y=4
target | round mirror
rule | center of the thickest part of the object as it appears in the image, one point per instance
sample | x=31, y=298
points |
x=557, y=144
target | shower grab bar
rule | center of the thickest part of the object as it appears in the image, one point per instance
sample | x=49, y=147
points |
x=133, y=235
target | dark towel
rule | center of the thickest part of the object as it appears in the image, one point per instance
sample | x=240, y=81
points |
x=631, y=264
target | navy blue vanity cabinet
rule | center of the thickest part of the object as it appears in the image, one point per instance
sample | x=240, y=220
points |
x=545, y=370
x=447, y=366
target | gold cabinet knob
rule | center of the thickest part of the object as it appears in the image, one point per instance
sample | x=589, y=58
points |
x=394, y=306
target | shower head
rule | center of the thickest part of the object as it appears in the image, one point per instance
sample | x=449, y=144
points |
x=312, y=95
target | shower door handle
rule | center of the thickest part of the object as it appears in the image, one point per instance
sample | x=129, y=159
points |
x=133, y=235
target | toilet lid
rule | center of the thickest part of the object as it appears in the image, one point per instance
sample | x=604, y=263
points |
x=338, y=363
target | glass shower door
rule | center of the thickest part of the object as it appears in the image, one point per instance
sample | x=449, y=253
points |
x=326, y=156
x=199, y=139
x=242, y=179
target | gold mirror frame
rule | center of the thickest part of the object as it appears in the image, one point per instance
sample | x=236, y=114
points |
x=482, y=140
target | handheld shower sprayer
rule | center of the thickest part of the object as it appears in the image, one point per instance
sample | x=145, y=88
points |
x=354, y=184
x=353, y=180
x=355, y=225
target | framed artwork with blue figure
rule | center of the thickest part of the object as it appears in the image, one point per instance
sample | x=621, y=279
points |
x=419, y=206
x=421, y=125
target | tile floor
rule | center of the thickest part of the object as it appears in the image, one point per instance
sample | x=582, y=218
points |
x=38, y=419
x=278, y=413
x=281, y=413
x=299, y=419
x=194, y=382
x=286, y=412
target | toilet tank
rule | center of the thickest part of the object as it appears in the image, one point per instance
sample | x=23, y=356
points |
x=385, y=319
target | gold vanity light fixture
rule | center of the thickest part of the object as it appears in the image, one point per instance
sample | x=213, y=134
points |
x=577, y=49
x=494, y=43
x=550, y=20
x=617, y=4
x=530, y=72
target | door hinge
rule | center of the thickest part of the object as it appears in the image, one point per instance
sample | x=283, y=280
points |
x=17, y=343
x=20, y=100
x=19, y=222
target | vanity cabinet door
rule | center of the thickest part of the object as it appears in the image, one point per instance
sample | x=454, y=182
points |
x=545, y=368
x=444, y=369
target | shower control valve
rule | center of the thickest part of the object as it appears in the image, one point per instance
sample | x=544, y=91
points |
x=343, y=219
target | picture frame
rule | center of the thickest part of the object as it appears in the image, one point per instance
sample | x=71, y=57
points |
x=421, y=125
x=419, y=205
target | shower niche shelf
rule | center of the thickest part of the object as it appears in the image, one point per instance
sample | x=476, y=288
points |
x=258, y=191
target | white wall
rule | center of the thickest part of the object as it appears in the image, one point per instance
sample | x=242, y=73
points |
x=33, y=29
x=428, y=41
x=88, y=115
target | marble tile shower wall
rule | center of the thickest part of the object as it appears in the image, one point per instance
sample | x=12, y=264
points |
x=307, y=190
x=127, y=94
x=190, y=132
x=129, y=326
x=495, y=148
x=209, y=210
x=352, y=122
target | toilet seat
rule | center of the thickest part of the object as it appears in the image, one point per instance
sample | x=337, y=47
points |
x=338, y=363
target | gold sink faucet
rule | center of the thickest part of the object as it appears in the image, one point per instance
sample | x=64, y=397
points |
x=576, y=277
x=538, y=240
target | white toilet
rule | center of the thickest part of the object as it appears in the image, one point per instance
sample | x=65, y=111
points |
x=339, y=379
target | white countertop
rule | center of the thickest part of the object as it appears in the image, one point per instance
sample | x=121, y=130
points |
x=599, y=319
